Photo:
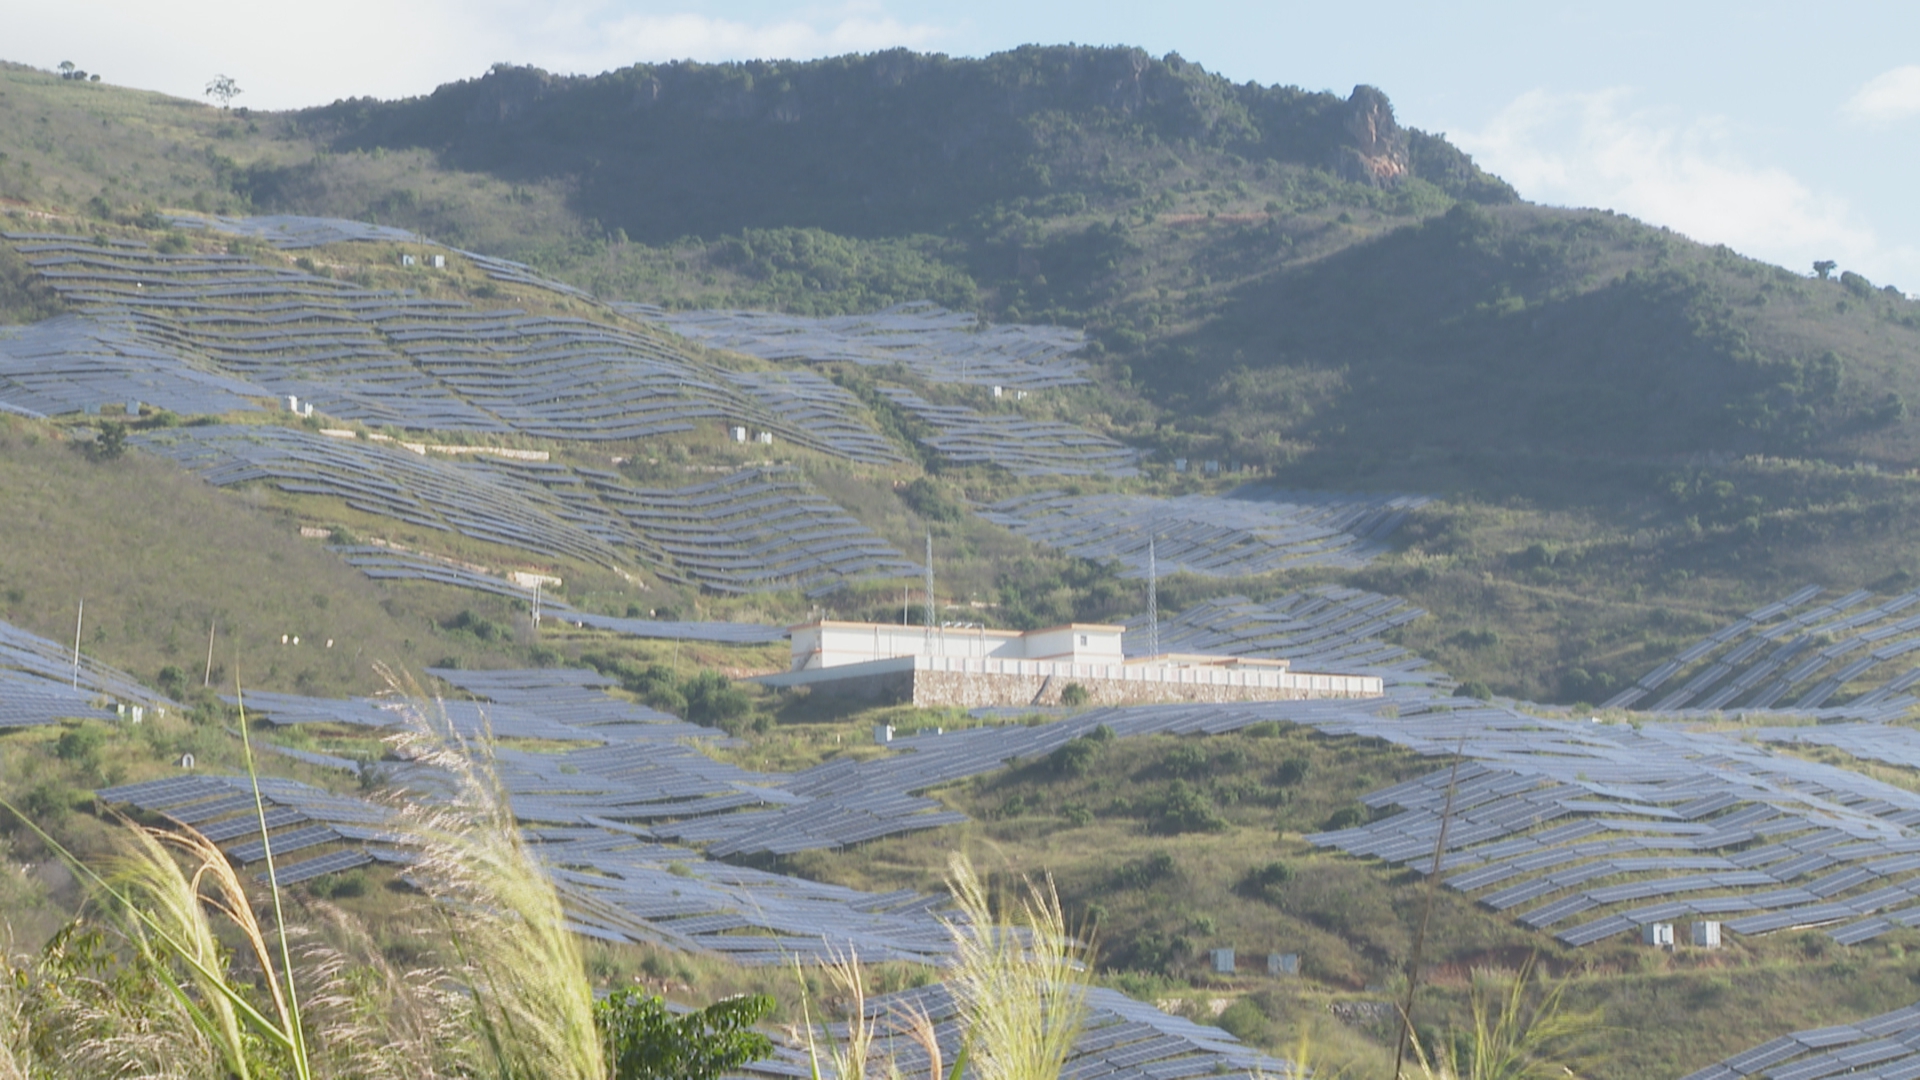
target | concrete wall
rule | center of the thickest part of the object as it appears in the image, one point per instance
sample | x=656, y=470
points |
x=879, y=688
x=972, y=690
x=834, y=644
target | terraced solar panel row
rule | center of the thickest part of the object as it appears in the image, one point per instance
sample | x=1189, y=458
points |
x=753, y=530
x=200, y=333
x=30, y=701
x=1119, y=1039
x=1021, y=446
x=935, y=344
x=73, y=364
x=1332, y=628
x=292, y=231
x=51, y=666
x=1577, y=826
x=1250, y=531
x=1854, y=648
x=1885, y=1047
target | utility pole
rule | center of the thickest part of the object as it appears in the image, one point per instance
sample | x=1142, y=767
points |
x=206, y=680
x=1153, y=602
x=929, y=590
x=77, y=620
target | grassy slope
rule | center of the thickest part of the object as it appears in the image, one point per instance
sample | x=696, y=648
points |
x=1343, y=335
x=1160, y=899
x=158, y=555
x=1589, y=392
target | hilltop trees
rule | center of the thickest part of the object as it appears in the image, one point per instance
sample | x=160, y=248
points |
x=224, y=88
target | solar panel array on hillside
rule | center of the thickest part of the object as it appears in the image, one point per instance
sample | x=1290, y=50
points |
x=1021, y=446
x=1249, y=531
x=40, y=682
x=1119, y=1039
x=827, y=412
x=1592, y=830
x=390, y=564
x=1801, y=647
x=74, y=364
x=752, y=530
x=1332, y=628
x=933, y=343
x=30, y=701
x=291, y=231
x=168, y=324
x=1886, y=1047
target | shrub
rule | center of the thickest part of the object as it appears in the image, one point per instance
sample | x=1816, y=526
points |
x=1076, y=758
x=110, y=444
x=927, y=499
x=1187, y=759
x=644, y=1041
x=1245, y=1021
x=1346, y=818
x=1474, y=688
x=1185, y=808
x=713, y=700
x=79, y=745
x=1073, y=695
x=478, y=627
x=1292, y=771
x=1140, y=873
x=341, y=886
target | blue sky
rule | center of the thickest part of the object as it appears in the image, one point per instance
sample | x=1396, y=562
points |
x=1789, y=132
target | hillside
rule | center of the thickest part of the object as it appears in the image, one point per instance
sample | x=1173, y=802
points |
x=1093, y=331
x=160, y=559
x=1626, y=425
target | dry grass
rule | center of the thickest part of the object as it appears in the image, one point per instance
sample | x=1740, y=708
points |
x=533, y=1003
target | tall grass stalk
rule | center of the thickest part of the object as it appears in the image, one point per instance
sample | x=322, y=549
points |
x=850, y=1058
x=1513, y=1037
x=532, y=1000
x=168, y=915
x=1022, y=989
x=286, y=999
x=16, y=1056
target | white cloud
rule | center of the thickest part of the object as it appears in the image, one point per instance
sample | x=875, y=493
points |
x=1890, y=95
x=1598, y=150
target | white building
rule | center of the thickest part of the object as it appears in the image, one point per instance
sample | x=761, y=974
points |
x=829, y=644
x=974, y=666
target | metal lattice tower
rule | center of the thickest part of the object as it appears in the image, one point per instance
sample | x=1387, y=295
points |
x=1153, y=602
x=929, y=586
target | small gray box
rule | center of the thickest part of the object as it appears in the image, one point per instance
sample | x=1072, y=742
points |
x=1223, y=961
x=1659, y=935
x=1705, y=934
x=1283, y=963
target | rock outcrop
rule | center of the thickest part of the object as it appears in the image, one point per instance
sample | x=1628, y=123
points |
x=1376, y=150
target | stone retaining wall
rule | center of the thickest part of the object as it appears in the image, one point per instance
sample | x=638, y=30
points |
x=971, y=690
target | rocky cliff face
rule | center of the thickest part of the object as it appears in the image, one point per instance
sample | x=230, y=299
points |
x=1376, y=151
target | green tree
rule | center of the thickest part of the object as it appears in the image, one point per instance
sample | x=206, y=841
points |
x=713, y=699
x=224, y=88
x=111, y=442
x=1824, y=267
x=646, y=1042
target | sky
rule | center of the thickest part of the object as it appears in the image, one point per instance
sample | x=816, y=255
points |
x=1787, y=131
